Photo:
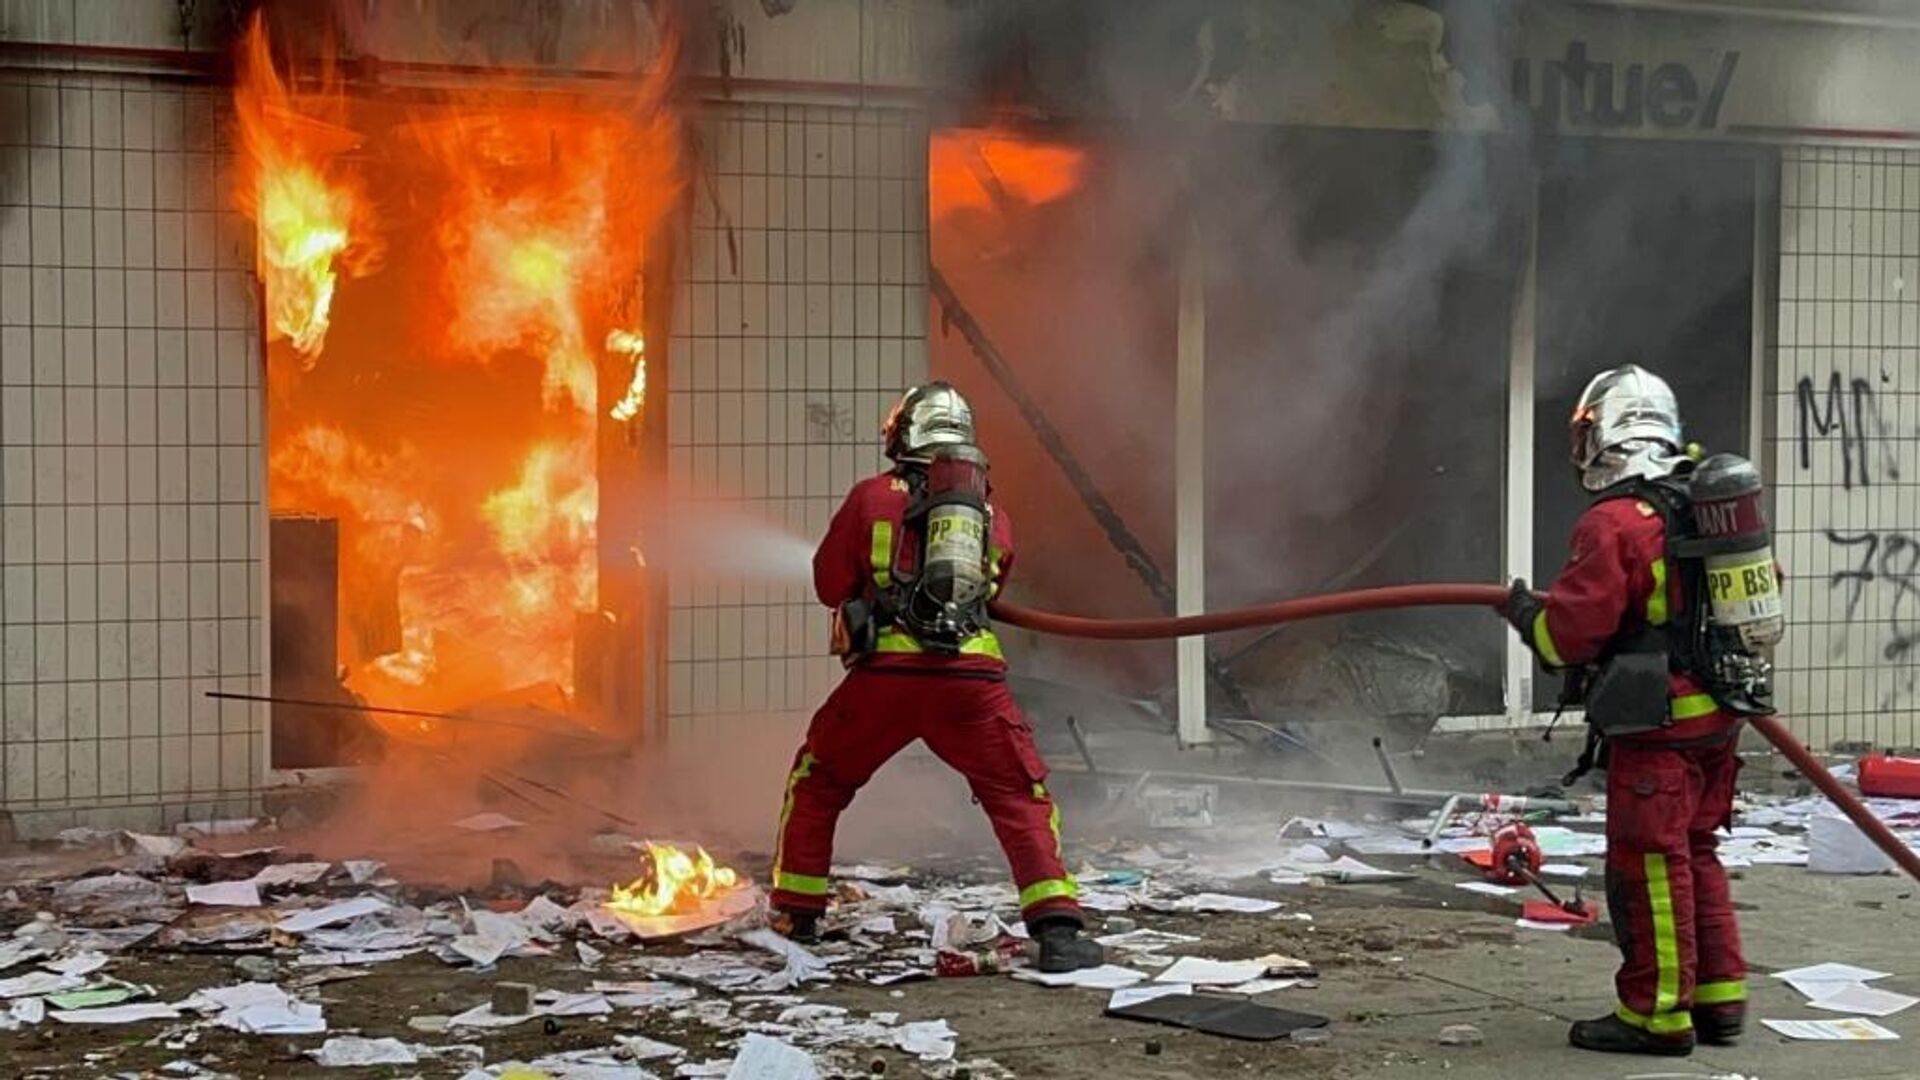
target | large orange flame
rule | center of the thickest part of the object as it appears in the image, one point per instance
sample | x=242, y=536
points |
x=454, y=430
x=311, y=218
x=975, y=169
x=675, y=882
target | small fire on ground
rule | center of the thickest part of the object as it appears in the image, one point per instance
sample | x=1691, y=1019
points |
x=675, y=881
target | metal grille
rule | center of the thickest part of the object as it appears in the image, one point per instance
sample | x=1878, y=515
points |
x=801, y=317
x=1846, y=444
x=130, y=552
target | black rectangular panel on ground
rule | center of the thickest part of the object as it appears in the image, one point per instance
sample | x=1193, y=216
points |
x=1228, y=1017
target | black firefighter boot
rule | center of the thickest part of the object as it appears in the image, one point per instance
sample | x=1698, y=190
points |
x=1719, y=1025
x=1063, y=949
x=1612, y=1035
x=799, y=926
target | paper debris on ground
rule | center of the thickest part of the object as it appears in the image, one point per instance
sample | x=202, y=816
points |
x=1863, y=999
x=225, y=894
x=28, y=1010
x=641, y=1048
x=494, y=935
x=83, y=963
x=1852, y=1029
x=1145, y=940
x=351, y=1050
x=1223, y=902
x=1134, y=995
x=351, y=959
x=763, y=1058
x=1105, y=977
x=39, y=984
x=879, y=875
x=645, y=995
x=299, y=922
x=1347, y=868
x=1200, y=971
x=487, y=822
x=928, y=1040
x=262, y=1009
x=1819, y=980
x=18, y=951
x=802, y=965
x=361, y=871
x=1562, y=841
x=589, y=956
x=1569, y=871
x=1536, y=924
x=1255, y=987
x=116, y=1014
x=299, y=873
x=97, y=996
x=1105, y=900
x=1487, y=887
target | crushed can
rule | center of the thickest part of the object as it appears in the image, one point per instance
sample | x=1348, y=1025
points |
x=959, y=964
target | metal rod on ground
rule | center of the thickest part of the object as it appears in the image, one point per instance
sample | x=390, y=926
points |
x=340, y=706
x=1386, y=764
x=1080, y=740
x=954, y=313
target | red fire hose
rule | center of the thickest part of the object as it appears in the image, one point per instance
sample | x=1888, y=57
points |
x=1407, y=596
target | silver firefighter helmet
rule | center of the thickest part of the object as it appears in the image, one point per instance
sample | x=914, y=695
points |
x=1625, y=424
x=929, y=415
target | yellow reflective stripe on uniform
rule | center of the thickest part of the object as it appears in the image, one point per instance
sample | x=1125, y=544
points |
x=1543, y=641
x=1688, y=706
x=994, y=556
x=1050, y=889
x=1657, y=600
x=1659, y=1024
x=1724, y=992
x=893, y=640
x=1666, y=941
x=800, y=883
x=881, y=553
x=800, y=772
x=1053, y=819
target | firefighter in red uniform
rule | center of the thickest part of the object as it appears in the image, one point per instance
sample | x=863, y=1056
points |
x=908, y=565
x=1615, y=612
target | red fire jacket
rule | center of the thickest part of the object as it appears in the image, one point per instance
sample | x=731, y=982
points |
x=861, y=550
x=1616, y=580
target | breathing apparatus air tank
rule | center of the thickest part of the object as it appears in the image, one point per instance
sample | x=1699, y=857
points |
x=947, y=602
x=1745, y=618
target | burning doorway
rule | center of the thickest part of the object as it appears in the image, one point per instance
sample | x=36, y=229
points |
x=458, y=427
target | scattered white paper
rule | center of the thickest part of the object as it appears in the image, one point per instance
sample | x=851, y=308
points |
x=589, y=956
x=645, y=995
x=1852, y=1029
x=1248, y=905
x=225, y=894
x=1263, y=986
x=351, y=958
x=1105, y=977
x=1487, y=887
x=361, y=871
x=928, y=1040
x=487, y=822
x=39, y=984
x=298, y=873
x=299, y=922
x=116, y=1014
x=1105, y=900
x=1863, y=999
x=1199, y=971
x=494, y=935
x=1562, y=841
x=557, y=1003
x=18, y=951
x=641, y=1048
x=763, y=1058
x=28, y=1010
x=284, y=1018
x=1134, y=995
x=84, y=963
x=802, y=965
x=352, y=1050
x=1145, y=940
x=1819, y=980
x=1348, y=868
x=1569, y=871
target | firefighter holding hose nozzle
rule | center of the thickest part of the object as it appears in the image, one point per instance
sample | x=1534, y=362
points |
x=908, y=566
x=1667, y=611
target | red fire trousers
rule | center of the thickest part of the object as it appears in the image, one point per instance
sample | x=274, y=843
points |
x=1666, y=891
x=973, y=725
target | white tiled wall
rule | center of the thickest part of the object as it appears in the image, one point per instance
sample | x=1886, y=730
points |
x=130, y=553
x=802, y=317
x=1848, y=506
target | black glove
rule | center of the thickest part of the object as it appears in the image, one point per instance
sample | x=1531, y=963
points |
x=1520, y=608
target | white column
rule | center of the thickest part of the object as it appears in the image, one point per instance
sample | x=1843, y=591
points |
x=1189, y=471
x=1519, y=501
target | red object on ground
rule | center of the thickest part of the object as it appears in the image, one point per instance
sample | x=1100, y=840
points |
x=1481, y=859
x=1544, y=912
x=954, y=964
x=1890, y=777
x=1513, y=844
